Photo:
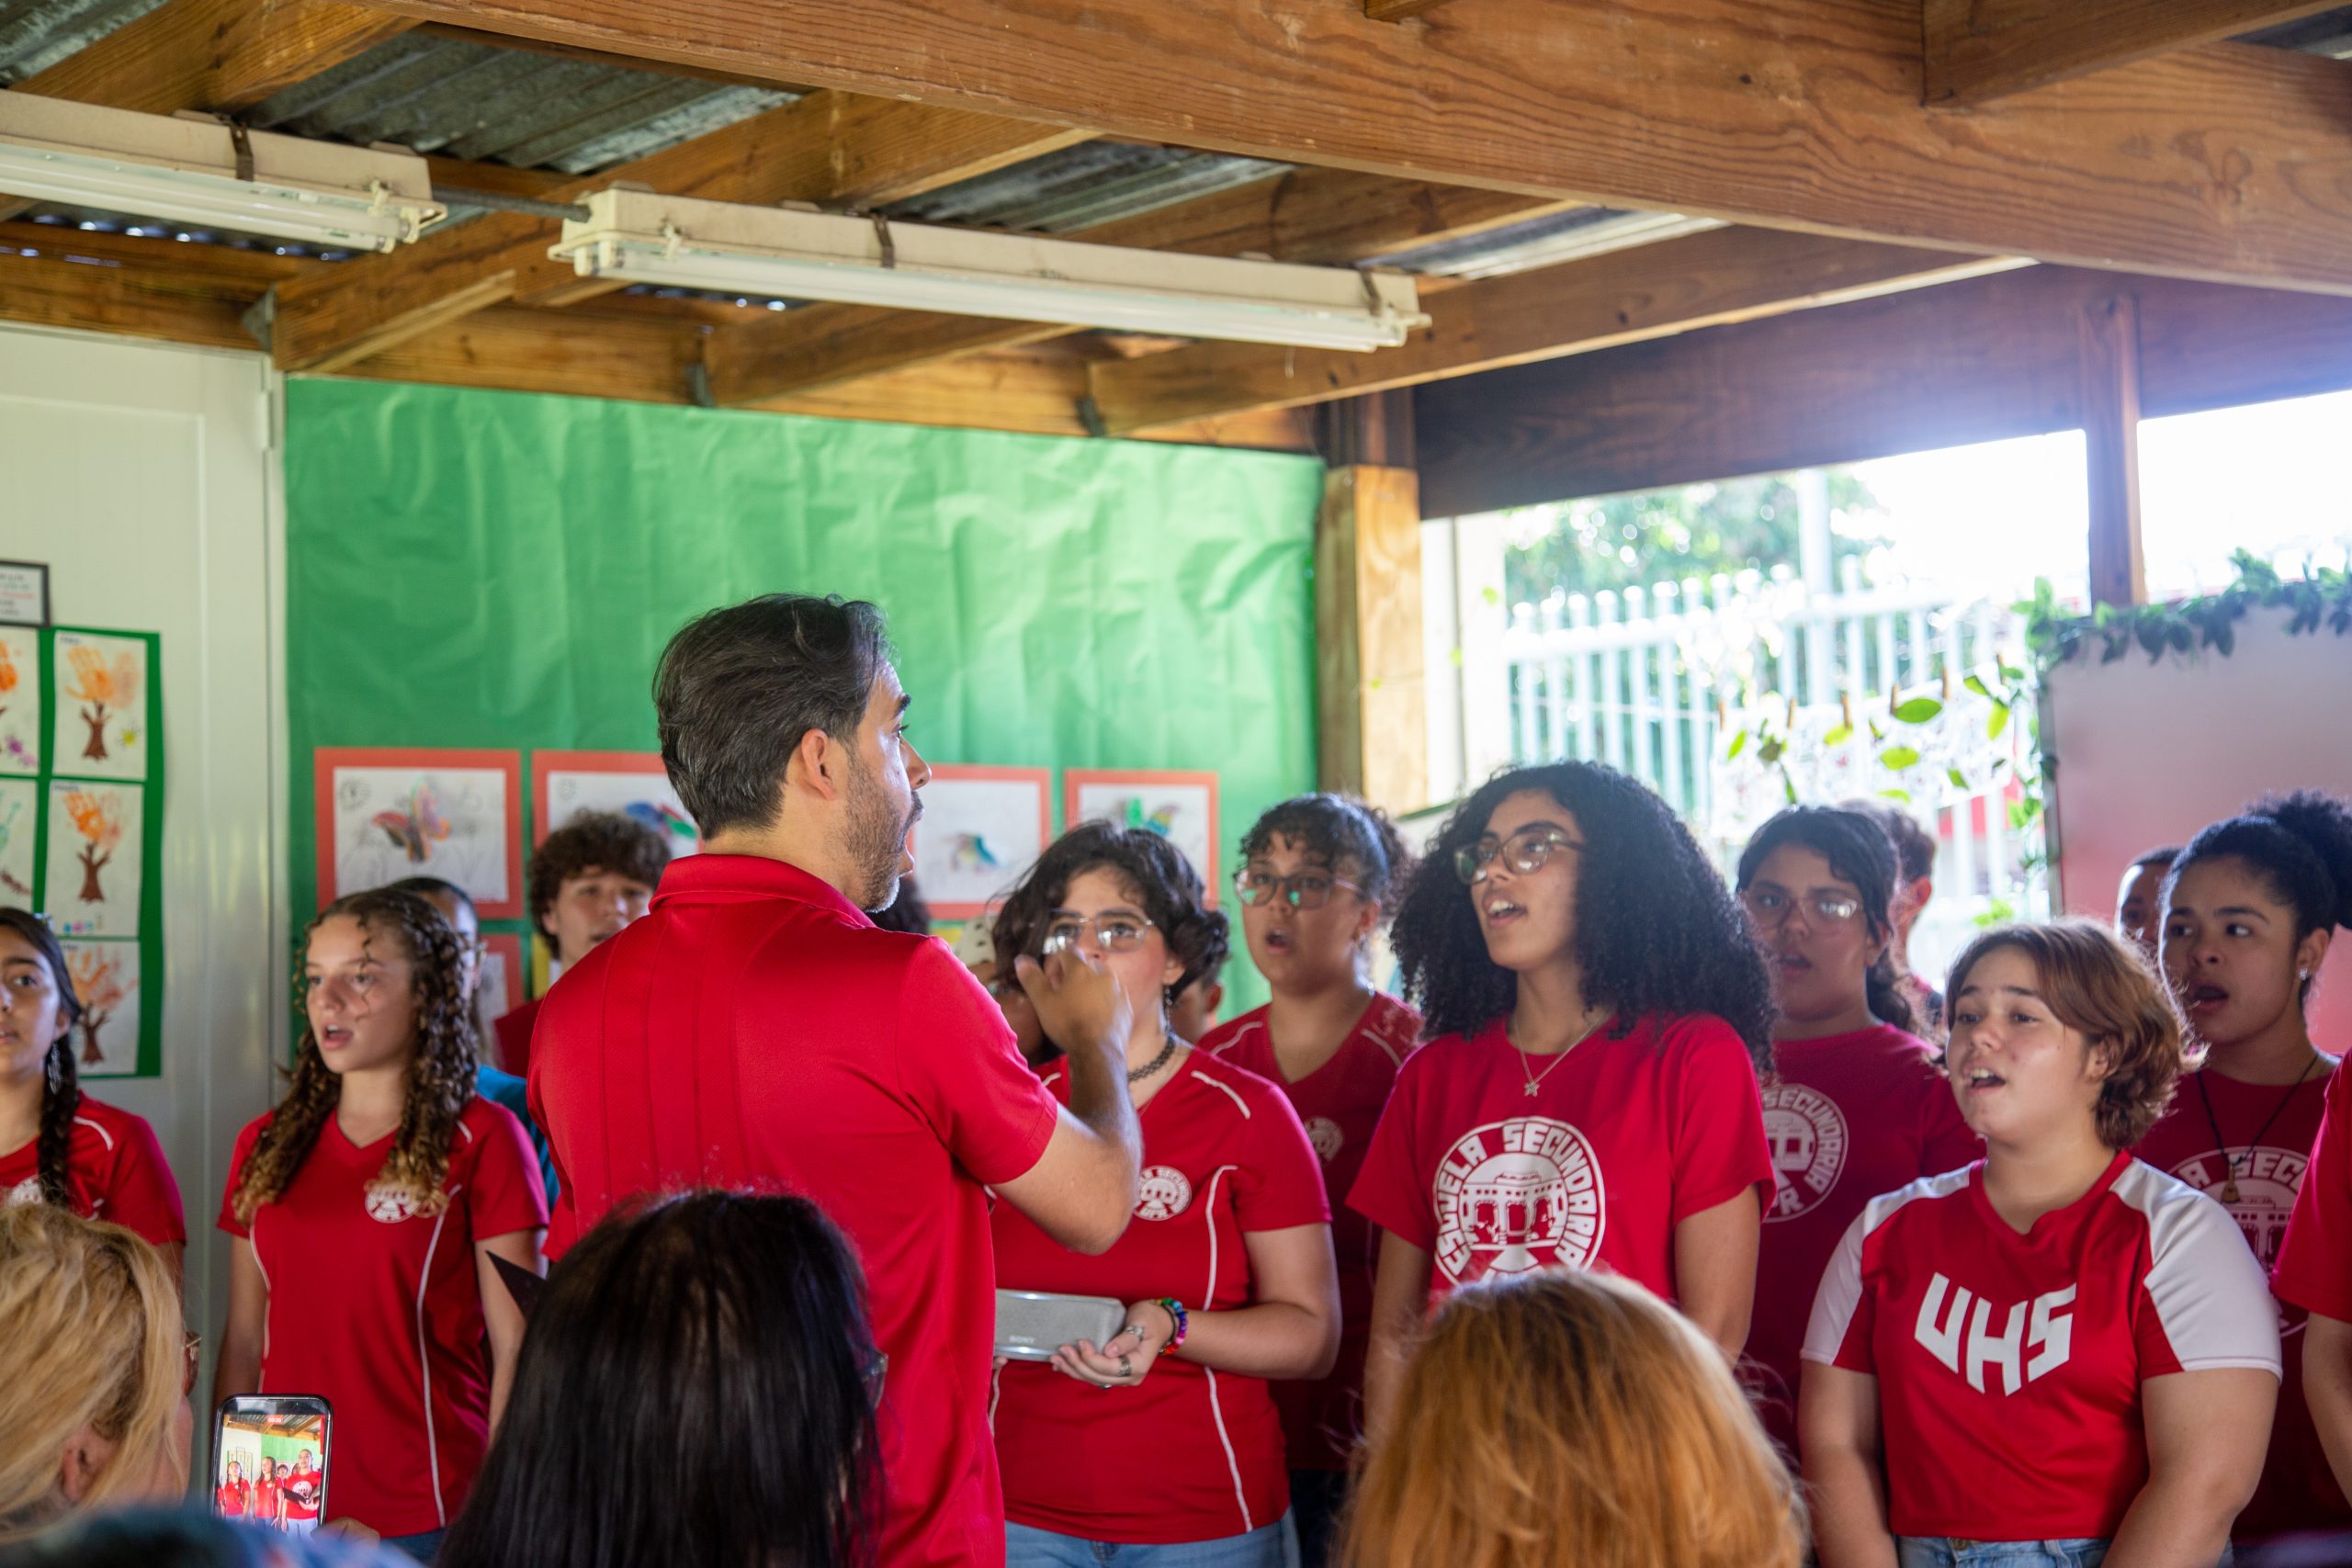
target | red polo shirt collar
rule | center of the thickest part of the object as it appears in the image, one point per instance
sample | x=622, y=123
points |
x=739, y=879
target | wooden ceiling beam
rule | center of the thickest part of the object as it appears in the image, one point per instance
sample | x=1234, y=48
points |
x=1329, y=216
x=56, y=276
x=1677, y=285
x=1399, y=10
x=1977, y=50
x=829, y=146
x=2226, y=162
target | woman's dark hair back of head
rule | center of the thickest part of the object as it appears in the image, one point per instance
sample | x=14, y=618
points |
x=696, y=1386
x=431, y=887
x=2162, y=855
x=738, y=687
x=1656, y=929
x=1859, y=851
x=1915, y=847
x=1163, y=882
x=2301, y=844
x=62, y=1092
x=1354, y=839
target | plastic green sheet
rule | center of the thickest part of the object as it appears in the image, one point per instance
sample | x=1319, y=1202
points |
x=469, y=569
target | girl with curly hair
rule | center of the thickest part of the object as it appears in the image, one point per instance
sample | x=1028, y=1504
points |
x=1589, y=1097
x=57, y=1144
x=1166, y=1436
x=369, y=1206
x=2057, y=1353
x=1855, y=1104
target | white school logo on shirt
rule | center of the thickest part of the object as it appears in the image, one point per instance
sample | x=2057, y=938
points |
x=1166, y=1192
x=2034, y=1337
x=2268, y=1181
x=1518, y=1195
x=25, y=1191
x=390, y=1204
x=1806, y=1133
x=1327, y=1137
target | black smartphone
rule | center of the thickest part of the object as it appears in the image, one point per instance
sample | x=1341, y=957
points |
x=271, y=1453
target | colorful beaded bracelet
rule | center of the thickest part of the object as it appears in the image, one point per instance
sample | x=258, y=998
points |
x=1183, y=1324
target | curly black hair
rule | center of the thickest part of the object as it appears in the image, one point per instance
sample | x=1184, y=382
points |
x=593, y=840
x=1656, y=931
x=1154, y=872
x=1352, y=838
x=1859, y=851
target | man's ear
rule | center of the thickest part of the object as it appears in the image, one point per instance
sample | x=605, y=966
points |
x=820, y=764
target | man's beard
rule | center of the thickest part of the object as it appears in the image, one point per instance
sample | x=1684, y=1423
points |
x=877, y=839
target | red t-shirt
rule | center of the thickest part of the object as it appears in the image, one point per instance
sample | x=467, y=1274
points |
x=2298, y=1490
x=378, y=1309
x=754, y=1031
x=1339, y=1102
x=301, y=1490
x=1625, y=1140
x=1224, y=1154
x=1848, y=1117
x=514, y=1030
x=230, y=1498
x=265, y=1502
x=115, y=1170
x=2010, y=1367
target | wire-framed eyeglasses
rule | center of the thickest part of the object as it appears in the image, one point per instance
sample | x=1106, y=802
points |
x=1771, y=907
x=1300, y=890
x=1526, y=851
x=1067, y=930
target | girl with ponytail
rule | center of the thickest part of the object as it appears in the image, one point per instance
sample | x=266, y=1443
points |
x=62, y=1146
x=2249, y=909
x=368, y=1208
x=1855, y=1104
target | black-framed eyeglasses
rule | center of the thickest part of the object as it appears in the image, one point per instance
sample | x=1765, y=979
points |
x=1067, y=930
x=1770, y=907
x=1526, y=851
x=1300, y=890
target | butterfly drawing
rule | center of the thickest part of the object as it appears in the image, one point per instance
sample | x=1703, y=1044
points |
x=972, y=854
x=417, y=828
x=1161, y=821
x=663, y=818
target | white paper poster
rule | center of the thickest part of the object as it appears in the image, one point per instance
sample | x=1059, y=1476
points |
x=979, y=833
x=647, y=797
x=95, y=844
x=391, y=822
x=101, y=706
x=20, y=700
x=1181, y=807
x=105, y=979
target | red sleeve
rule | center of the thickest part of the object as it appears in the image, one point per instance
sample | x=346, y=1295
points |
x=1392, y=1191
x=2314, y=1267
x=141, y=1193
x=229, y=1221
x=1946, y=1140
x=1280, y=1184
x=503, y=1193
x=1719, y=1148
x=957, y=1063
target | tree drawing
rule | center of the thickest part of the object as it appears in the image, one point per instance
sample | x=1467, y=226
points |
x=9, y=676
x=97, y=980
x=94, y=684
x=7, y=835
x=98, y=819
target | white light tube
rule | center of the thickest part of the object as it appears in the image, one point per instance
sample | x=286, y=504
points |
x=188, y=170
x=730, y=248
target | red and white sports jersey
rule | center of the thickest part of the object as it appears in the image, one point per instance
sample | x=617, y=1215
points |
x=1223, y=1156
x=377, y=1308
x=1848, y=1117
x=230, y=1497
x=1341, y=1104
x=114, y=1169
x=2010, y=1367
x=1623, y=1140
x=2298, y=1490
x=300, y=1489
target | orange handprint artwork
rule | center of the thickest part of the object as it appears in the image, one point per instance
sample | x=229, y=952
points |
x=101, y=983
x=98, y=816
x=103, y=681
x=95, y=838
x=20, y=704
x=94, y=681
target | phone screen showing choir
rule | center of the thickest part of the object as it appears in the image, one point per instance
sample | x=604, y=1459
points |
x=270, y=1468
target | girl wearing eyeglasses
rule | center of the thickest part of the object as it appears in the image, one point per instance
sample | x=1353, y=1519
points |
x=1312, y=887
x=1855, y=1104
x=1167, y=1435
x=1588, y=1096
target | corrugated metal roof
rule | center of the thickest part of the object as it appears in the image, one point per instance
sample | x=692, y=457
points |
x=1077, y=188
x=36, y=34
x=1544, y=241
x=504, y=106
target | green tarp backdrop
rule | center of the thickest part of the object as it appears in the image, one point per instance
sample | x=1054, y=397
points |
x=473, y=569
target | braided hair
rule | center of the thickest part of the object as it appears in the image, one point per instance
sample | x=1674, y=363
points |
x=62, y=1085
x=1859, y=851
x=2301, y=844
x=441, y=1072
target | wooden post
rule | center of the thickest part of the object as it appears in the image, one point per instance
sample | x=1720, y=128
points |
x=1371, y=696
x=2110, y=360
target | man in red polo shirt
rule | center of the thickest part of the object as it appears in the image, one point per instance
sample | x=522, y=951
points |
x=755, y=1031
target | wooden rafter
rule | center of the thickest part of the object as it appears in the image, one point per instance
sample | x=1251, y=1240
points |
x=1699, y=280
x=54, y=277
x=827, y=147
x=1326, y=216
x=1977, y=50
x=2226, y=162
x=1397, y=11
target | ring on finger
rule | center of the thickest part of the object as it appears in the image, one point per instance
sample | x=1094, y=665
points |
x=1125, y=1370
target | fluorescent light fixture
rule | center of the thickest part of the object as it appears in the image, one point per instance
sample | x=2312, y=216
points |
x=639, y=237
x=196, y=170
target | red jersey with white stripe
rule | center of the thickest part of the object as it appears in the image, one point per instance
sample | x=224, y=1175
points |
x=1622, y=1140
x=302, y=1491
x=2268, y=1132
x=1339, y=1102
x=2010, y=1367
x=114, y=1168
x=266, y=1500
x=1848, y=1117
x=1224, y=1154
x=378, y=1309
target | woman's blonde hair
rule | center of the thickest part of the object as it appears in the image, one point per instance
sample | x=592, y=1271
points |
x=90, y=1336
x=1572, y=1420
